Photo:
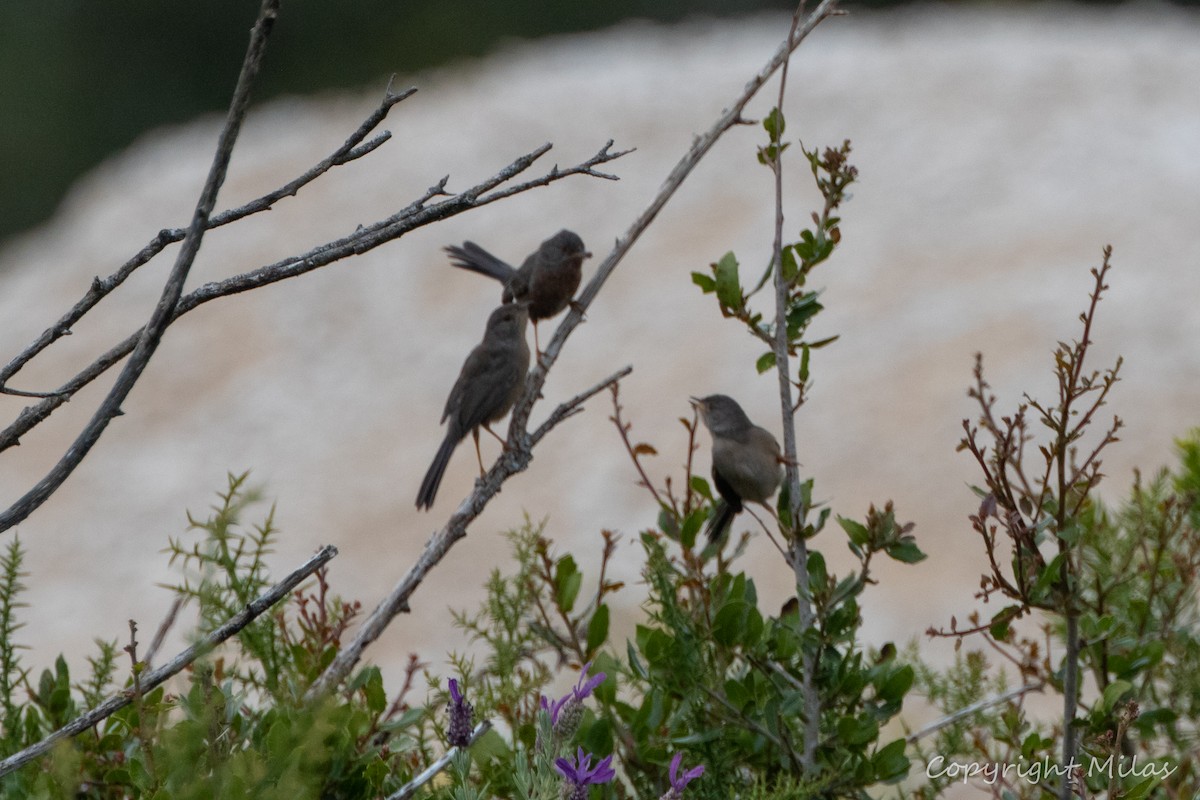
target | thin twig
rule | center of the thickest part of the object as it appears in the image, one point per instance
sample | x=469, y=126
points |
x=164, y=310
x=409, y=789
x=623, y=431
x=967, y=711
x=753, y=725
x=101, y=288
x=161, y=634
x=155, y=677
x=135, y=669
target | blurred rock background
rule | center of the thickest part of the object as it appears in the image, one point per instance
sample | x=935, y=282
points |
x=999, y=149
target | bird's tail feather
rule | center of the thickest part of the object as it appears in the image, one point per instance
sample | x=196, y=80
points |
x=718, y=524
x=433, y=478
x=474, y=258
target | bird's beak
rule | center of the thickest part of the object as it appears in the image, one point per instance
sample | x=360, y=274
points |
x=587, y=253
x=696, y=401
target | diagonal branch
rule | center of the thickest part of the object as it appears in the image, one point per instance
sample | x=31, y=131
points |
x=152, y=678
x=515, y=459
x=409, y=789
x=163, y=312
x=730, y=117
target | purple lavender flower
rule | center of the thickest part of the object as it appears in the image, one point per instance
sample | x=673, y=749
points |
x=680, y=782
x=458, y=733
x=579, y=774
x=553, y=708
x=583, y=689
x=569, y=708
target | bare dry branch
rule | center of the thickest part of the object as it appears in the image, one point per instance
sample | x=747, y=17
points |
x=409, y=789
x=101, y=288
x=415, y=215
x=974, y=708
x=164, y=311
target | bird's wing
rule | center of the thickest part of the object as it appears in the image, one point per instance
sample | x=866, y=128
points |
x=727, y=492
x=491, y=376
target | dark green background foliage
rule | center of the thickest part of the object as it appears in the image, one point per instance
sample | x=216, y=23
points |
x=80, y=79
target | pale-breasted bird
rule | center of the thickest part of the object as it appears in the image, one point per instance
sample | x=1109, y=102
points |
x=747, y=463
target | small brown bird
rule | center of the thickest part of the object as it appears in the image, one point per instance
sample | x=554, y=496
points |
x=747, y=463
x=547, y=280
x=488, y=385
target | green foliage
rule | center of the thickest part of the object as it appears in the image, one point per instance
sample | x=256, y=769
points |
x=833, y=175
x=1114, y=592
x=787, y=705
x=235, y=728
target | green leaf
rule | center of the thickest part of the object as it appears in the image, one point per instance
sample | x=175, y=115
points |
x=765, y=362
x=1141, y=790
x=1049, y=575
x=373, y=691
x=737, y=694
x=857, y=532
x=818, y=577
x=857, y=730
x=597, y=737
x=905, y=551
x=1002, y=620
x=635, y=664
x=737, y=621
x=791, y=268
x=705, y=282
x=654, y=644
x=774, y=124
x=801, y=310
x=698, y=738
x=1094, y=629
x=597, y=632
x=890, y=763
x=1113, y=693
x=729, y=287
x=567, y=580
x=691, y=526
x=406, y=719
x=802, y=373
x=606, y=692
x=700, y=486
x=896, y=684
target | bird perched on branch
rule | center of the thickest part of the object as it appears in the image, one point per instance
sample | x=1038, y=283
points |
x=547, y=279
x=747, y=463
x=488, y=385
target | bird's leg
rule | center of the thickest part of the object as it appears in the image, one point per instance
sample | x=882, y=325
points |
x=478, y=453
x=578, y=306
x=503, y=443
x=537, y=348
